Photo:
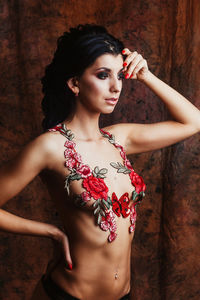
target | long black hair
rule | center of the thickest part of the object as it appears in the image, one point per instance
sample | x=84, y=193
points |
x=76, y=50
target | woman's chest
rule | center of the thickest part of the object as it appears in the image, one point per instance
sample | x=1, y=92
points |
x=102, y=179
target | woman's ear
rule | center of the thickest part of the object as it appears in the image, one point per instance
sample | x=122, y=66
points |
x=73, y=85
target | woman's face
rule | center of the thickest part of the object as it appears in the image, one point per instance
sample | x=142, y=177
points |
x=100, y=85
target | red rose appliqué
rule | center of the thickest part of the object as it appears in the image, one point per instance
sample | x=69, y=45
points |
x=84, y=170
x=138, y=182
x=96, y=187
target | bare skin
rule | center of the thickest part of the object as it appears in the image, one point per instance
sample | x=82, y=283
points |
x=95, y=262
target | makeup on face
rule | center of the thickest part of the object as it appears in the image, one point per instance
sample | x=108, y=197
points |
x=101, y=83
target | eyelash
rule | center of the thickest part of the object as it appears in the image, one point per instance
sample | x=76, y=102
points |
x=104, y=75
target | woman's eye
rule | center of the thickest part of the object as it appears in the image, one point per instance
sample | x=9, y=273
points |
x=121, y=75
x=102, y=75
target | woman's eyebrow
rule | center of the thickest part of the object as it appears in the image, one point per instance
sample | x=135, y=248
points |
x=107, y=69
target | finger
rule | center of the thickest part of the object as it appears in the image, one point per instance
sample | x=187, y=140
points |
x=131, y=67
x=126, y=51
x=67, y=254
x=129, y=59
x=140, y=66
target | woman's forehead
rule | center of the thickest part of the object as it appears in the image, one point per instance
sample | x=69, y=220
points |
x=108, y=61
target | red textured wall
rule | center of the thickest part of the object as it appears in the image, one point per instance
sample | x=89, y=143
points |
x=166, y=245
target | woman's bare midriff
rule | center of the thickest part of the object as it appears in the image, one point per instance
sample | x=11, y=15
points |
x=101, y=270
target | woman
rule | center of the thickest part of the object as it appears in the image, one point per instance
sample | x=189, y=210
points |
x=85, y=168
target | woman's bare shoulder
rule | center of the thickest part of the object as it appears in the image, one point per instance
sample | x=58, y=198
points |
x=48, y=146
x=39, y=152
x=119, y=131
x=48, y=141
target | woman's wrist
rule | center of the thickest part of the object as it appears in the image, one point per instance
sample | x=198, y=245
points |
x=147, y=78
x=54, y=232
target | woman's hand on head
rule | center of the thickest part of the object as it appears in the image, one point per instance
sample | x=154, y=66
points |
x=135, y=66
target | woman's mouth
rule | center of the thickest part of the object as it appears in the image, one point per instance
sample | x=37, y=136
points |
x=112, y=101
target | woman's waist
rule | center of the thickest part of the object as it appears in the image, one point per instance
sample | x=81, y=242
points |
x=84, y=279
x=83, y=230
x=95, y=251
x=109, y=258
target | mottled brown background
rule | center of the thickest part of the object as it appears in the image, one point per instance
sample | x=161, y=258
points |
x=165, y=259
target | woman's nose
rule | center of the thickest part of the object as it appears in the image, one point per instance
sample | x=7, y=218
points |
x=116, y=85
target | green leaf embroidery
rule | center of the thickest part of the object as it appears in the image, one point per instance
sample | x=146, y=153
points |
x=120, y=167
x=99, y=219
x=102, y=212
x=106, y=203
x=97, y=210
x=71, y=137
x=109, y=201
x=114, y=165
x=66, y=132
x=121, y=170
x=142, y=193
x=101, y=176
x=75, y=177
x=96, y=170
x=64, y=127
x=67, y=186
x=100, y=173
x=134, y=195
x=96, y=203
x=127, y=171
x=103, y=171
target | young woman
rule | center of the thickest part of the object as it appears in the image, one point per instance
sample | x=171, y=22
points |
x=86, y=169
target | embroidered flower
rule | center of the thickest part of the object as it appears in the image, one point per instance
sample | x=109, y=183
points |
x=133, y=216
x=77, y=157
x=68, y=152
x=104, y=225
x=112, y=236
x=132, y=228
x=138, y=182
x=93, y=182
x=108, y=223
x=85, y=196
x=71, y=163
x=96, y=187
x=84, y=170
x=69, y=144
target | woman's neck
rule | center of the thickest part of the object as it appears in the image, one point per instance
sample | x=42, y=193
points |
x=85, y=125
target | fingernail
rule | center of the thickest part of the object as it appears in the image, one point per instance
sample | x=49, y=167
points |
x=127, y=76
x=131, y=76
x=124, y=64
x=123, y=51
x=70, y=266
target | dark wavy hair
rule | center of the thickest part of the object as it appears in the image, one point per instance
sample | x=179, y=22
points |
x=76, y=50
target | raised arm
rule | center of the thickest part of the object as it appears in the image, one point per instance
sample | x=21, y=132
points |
x=146, y=137
x=14, y=176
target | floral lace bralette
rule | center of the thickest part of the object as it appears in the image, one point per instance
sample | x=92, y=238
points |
x=105, y=208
